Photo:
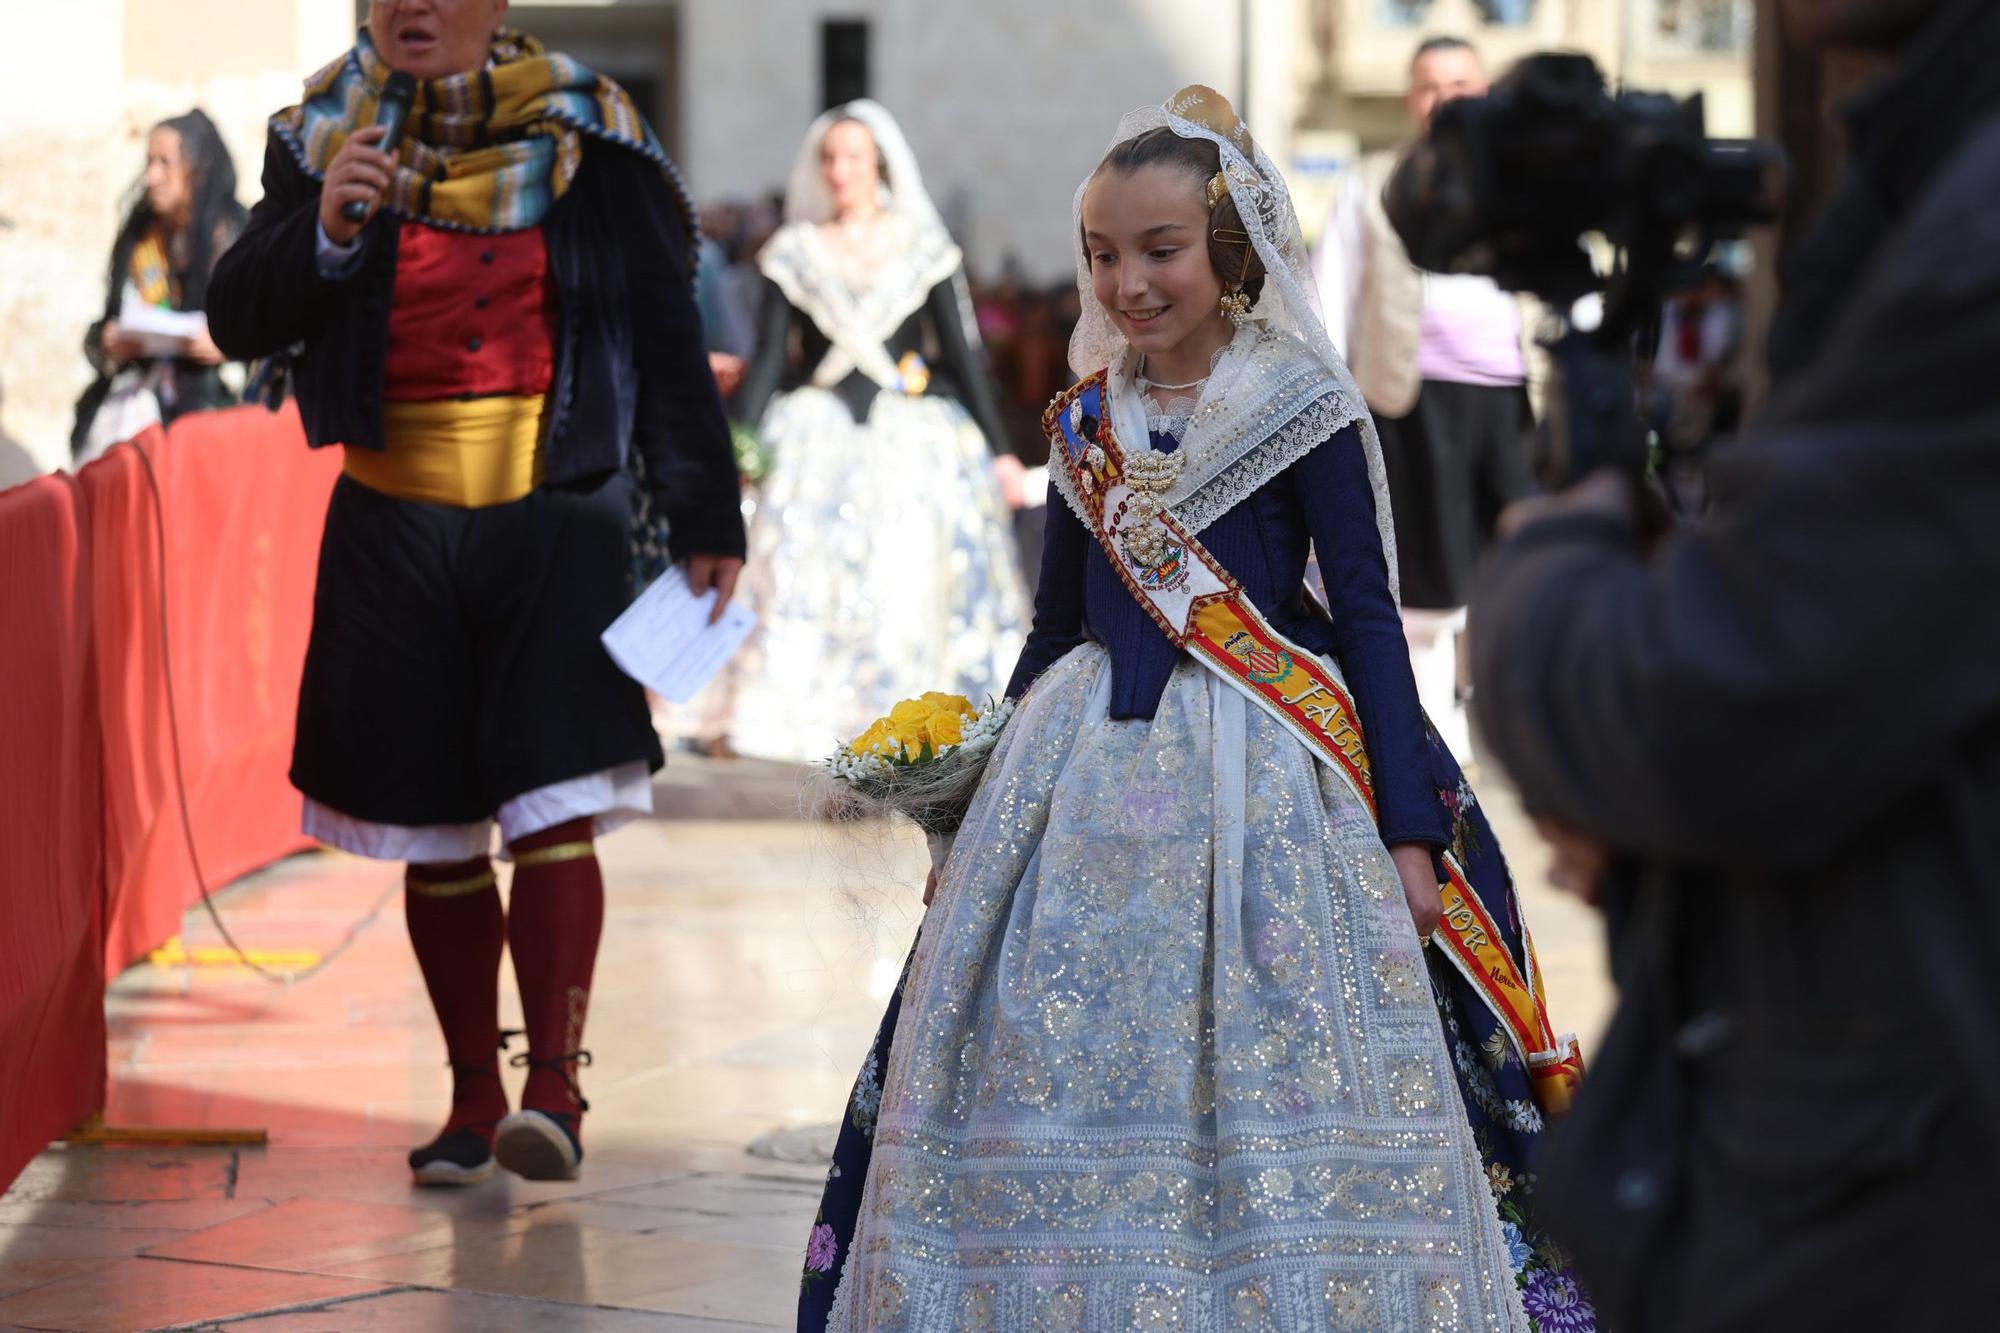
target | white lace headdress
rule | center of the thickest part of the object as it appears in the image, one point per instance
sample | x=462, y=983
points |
x=1279, y=389
x=807, y=196
x=859, y=318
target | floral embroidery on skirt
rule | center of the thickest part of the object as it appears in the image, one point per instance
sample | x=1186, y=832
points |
x=1169, y=1049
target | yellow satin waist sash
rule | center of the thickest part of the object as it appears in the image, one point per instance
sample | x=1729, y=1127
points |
x=469, y=453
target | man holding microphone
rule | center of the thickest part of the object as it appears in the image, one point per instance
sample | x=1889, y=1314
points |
x=493, y=317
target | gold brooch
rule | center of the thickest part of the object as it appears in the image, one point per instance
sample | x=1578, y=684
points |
x=1150, y=476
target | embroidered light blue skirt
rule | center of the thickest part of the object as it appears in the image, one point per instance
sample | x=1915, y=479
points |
x=882, y=564
x=1167, y=1054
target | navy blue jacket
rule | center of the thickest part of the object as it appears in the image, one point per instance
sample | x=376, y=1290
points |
x=631, y=362
x=1321, y=503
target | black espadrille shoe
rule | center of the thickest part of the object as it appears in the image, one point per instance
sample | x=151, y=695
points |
x=462, y=1153
x=536, y=1145
x=457, y=1157
x=540, y=1144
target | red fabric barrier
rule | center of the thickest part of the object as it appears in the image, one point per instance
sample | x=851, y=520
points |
x=51, y=964
x=244, y=502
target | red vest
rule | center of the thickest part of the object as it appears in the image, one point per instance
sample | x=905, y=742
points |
x=473, y=315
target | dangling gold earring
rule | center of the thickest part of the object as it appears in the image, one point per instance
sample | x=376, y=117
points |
x=1236, y=306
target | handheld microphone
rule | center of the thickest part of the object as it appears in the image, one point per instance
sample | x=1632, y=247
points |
x=390, y=112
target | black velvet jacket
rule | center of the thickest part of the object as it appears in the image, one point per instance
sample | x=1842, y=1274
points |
x=631, y=366
x=1323, y=501
x=935, y=331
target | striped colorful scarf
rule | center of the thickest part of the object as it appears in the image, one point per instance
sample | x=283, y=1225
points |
x=489, y=151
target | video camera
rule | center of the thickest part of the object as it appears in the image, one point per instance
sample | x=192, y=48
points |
x=1511, y=185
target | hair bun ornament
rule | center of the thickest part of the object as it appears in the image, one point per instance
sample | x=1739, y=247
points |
x=1218, y=189
x=1199, y=104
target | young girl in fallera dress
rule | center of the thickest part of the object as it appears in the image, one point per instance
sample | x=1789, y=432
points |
x=1178, y=1046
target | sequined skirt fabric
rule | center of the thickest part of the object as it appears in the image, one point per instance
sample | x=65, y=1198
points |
x=882, y=564
x=1168, y=1056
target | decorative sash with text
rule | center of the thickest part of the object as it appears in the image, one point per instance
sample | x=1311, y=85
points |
x=1201, y=608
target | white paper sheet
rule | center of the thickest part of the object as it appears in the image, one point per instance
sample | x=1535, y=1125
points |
x=664, y=640
x=159, y=332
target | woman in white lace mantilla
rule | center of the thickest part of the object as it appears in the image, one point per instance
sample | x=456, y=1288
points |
x=882, y=556
x=1172, y=1051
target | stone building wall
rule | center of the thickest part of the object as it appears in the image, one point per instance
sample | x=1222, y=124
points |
x=1007, y=106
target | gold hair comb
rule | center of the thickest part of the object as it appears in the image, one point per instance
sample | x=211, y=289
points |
x=1218, y=187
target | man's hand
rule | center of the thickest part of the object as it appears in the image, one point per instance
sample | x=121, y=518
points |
x=1580, y=862
x=714, y=571
x=361, y=171
x=1420, y=885
x=1607, y=492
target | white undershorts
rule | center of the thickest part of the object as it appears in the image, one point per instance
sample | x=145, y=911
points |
x=613, y=797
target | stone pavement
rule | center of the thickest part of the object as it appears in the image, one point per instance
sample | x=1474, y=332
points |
x=746, y=959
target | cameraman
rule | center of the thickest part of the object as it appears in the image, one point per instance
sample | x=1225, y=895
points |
x=1788, y=720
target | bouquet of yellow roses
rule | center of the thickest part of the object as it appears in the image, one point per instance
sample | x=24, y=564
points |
x=923, y=761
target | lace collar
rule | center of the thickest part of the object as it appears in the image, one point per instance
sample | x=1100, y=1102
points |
x=858, y=321
x=1268, y=403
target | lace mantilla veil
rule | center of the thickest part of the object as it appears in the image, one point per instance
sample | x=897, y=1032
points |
x=1279, y=389
x=857, y=320
x=807, y=198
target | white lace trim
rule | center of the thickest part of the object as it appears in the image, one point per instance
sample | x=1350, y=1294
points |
x=1315, y=423
x=841, y=1314
x=1169, y=414
x=1173, y=425
x=858, y=323
x=1269, y=404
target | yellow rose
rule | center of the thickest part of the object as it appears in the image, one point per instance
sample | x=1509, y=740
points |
x=911, y=714
x=910, y=722
x=945, y=728
x=955, y=704
x=869, y=741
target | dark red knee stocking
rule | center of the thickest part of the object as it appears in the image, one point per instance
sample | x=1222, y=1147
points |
x=458, y=929
x=553, y=923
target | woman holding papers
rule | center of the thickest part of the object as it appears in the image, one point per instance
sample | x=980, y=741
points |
x=186, y=214
x=503, y=340
x=885, y=557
